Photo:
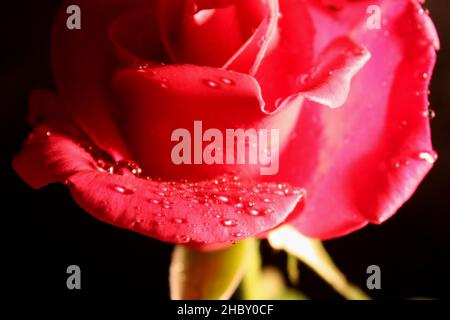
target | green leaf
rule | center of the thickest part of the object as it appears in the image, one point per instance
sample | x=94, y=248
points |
x=215, y=275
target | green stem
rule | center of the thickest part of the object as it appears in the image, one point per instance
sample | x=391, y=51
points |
x=249, y=287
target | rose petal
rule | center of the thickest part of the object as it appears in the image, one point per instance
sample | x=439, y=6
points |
x=375, y=150
x=328, y=83
x=248, y=58
x=202, y=213
x=291, y=56
x=136, y=40
x=207, y=37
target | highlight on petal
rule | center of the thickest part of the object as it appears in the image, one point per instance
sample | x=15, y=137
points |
x=220, y=210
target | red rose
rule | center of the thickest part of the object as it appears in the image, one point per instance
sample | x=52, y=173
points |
x=350, y=104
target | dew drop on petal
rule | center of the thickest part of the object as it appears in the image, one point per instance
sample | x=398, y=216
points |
x=239, y=205
x=227, y=81
x=430, y=113
x=429, y=157
x=166, y=204
x=223, y=199
x=163, y=85
x=182, y=238
x=127, y=190
x=229, y=223
x=179, y=221
x=254, y=212
x=211, y=84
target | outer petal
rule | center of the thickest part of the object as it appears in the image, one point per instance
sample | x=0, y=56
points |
x=83, y=63
x=207, y=212
x=376, y=149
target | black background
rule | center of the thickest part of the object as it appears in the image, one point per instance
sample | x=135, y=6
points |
x=45, y=231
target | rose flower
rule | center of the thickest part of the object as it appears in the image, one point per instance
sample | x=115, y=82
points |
x=349, y=103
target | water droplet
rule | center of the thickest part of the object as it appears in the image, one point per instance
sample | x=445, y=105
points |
x=105, y=166
x=125, y=166
x=253, y=212
x=237, y=234
x=155, y=201
x=424, y=75
x=227, y=81
x=429, y=157
x=212, y=84
x=239, y=205
x=298, y=191
x=167, y=204
x=430, y=113
x=267, y=200
x=143, y=66
x=48, y=133
x=182, y=238
x=179, y=220
x=229, y=223
x=400, y=163
x=127, y=190
x=163, y=85
x=223, y=199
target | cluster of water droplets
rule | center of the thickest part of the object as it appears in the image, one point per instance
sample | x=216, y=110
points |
x=122, y=167
x=223, y=202
x=427, y=156
x=150, y=70
x=214, y=84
